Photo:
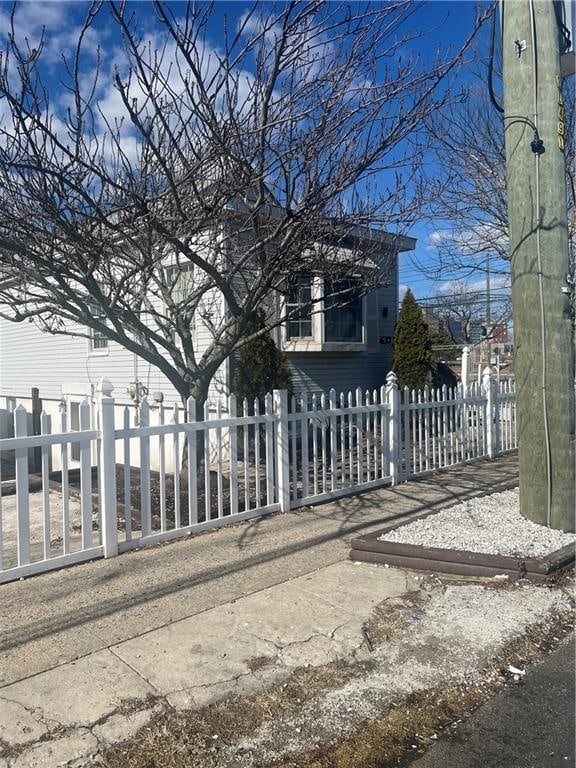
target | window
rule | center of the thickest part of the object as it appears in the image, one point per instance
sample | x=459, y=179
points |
x=342, y=311
x=98, y=340
x=180, y=279
x=298, y=306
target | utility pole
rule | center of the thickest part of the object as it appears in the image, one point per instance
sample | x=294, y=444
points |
x=537, y=212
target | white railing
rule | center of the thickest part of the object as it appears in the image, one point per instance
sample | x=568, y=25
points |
x=53, y=528
x=163, y=473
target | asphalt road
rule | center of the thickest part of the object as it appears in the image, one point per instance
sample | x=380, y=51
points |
x=526, y=726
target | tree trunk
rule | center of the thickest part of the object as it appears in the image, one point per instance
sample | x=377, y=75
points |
x=199, y=392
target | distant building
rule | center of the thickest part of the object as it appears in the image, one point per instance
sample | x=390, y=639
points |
x=499, y=334
x=438, y=323
x=477, y=331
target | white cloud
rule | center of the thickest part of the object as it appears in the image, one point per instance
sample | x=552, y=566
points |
x=471, y=241
x=436, y=238
x=462, y=287
x=54, y=21
x=254, y=25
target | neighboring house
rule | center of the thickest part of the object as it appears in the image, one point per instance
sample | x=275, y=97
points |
x=340, y=347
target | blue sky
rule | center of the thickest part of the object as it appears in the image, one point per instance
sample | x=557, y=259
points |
x=443, y=26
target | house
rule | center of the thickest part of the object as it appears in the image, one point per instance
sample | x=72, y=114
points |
x=340, y=346
x=343, y=347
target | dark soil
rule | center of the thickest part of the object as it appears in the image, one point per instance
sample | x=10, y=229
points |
x=217, y=494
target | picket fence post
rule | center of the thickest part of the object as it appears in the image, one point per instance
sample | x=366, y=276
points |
x=491, y=415
x=393, y=400
x=282, y=449
x=465, y=369
x=107, y=468
x=22, y=499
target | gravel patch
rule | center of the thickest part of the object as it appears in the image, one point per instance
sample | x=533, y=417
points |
x=489, y=524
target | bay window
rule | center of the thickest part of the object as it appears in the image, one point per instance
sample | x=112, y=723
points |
x=324, y=314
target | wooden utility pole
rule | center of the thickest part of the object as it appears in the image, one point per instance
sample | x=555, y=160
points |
x=537, y=212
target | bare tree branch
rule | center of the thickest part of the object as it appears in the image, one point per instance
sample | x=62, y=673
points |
x=224, y=169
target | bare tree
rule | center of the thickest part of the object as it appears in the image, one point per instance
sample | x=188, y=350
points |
x=222, y=171
x=467, y=191
x=461, y=306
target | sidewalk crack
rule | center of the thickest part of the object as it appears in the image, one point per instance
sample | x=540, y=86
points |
x=136, y=671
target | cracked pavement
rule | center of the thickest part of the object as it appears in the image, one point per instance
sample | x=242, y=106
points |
x=71, y=711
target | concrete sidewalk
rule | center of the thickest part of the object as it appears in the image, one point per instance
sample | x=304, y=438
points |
x=75, y=709
x=91, y=653
x=56, y=617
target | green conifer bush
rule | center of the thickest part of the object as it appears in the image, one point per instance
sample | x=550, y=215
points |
x=260, y=365
x=412, y=345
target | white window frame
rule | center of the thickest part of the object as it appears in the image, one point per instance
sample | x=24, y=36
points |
x=97, y=351
x=318, y=343
x=314, y=297
x=173, y=263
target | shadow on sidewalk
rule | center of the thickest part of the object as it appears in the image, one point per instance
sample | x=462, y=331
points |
x=342, y=519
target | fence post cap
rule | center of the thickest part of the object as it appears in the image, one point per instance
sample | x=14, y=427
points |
x=466, y=350
x=391, y=378
x=19, y=408
x=487, y=371
x=104, y=387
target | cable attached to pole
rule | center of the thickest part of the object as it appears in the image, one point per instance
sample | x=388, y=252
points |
x=491, y=64
x=540, y=275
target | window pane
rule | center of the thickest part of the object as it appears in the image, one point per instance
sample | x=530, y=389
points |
x=181, y=280
x=97, y=339
x=342, y=311
x=298, y=306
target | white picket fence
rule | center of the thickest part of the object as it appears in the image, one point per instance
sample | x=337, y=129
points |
x=239, y=462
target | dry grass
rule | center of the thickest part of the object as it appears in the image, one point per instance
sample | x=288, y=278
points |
x=385, y=741
x=406, y=730
x=388, y=620
x=186, y=739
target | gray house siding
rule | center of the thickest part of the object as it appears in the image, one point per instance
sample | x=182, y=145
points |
x=321, y=371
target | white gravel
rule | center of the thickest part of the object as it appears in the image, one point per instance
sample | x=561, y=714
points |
x=490, y=524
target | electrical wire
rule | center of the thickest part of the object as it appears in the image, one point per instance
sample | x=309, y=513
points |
x=491, y=64
x=565, y=32
x=540, y=277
